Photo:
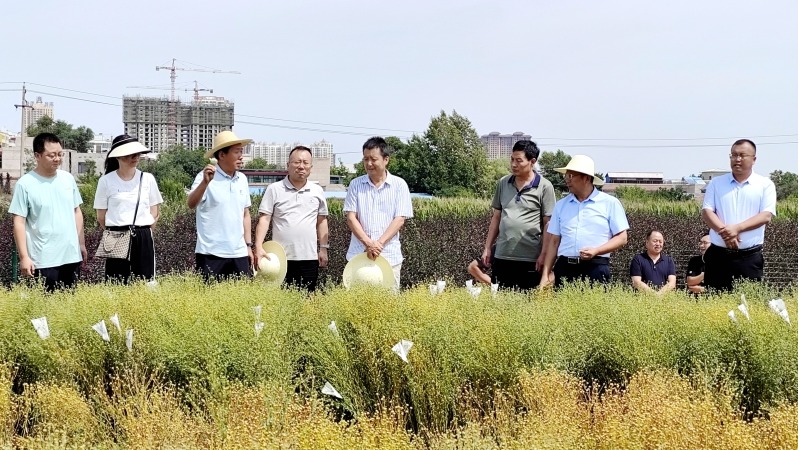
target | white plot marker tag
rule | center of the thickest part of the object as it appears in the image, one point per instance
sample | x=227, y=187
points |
x=101, y=329
x=402, y=348
x=40, y=325
x=328, y=389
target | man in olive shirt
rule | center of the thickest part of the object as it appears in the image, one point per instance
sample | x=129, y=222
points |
x=522, y=205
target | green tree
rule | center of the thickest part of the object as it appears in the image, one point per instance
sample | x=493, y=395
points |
x=448, y=158
x=73, y=138
x=548, y=162
x=177, y=164
x=785, y=184
x=260, y=164
x=89, y=176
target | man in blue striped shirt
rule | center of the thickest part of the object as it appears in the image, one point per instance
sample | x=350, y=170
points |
x=377, y=205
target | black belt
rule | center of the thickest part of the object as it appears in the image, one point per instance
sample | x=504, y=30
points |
x=740, y=251
x=128, y=227
x=597, y=260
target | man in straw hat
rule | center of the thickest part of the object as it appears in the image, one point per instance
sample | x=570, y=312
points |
x=377, y=205
x=298, y=213
x=222, y=198
x=522, y=206
x=47, y=219
x=587, y=225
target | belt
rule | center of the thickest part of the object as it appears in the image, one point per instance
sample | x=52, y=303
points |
x=597, y=260
x=127, y=227
x=740, y=251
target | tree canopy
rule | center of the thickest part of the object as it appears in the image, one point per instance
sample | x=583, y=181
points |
x=548, y=162
x=260, y=164
x=785, y=184
x=73, y=138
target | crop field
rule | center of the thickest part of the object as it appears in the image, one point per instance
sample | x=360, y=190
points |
x=247, y=365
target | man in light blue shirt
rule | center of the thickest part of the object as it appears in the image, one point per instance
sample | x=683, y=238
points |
x=737, y=207
x=376, y=206
x=48, y=222
x=222, y=198
x=587, y=225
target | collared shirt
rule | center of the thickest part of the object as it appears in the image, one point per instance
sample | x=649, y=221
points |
x=220, y=215
x=695, y=267
x=375, y=209
x=48, y=206
x=586, y=224
x=521, y=216
x=656, y=273
x=294, y=215
x=735, y=202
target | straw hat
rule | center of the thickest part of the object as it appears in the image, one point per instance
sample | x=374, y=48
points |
x=124, y=145
x=225, y=139
x=272, y=270
x=581, y=164
x=362, y=270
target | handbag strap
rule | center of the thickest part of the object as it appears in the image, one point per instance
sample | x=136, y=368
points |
x=138, y=197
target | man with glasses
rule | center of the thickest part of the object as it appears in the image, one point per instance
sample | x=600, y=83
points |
x=299, y=215
x=48, y=222
x=695, y=270
x=737, y=207
x=522, y=205
x=587, y=225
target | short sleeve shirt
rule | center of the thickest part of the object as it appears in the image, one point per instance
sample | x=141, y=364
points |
x=220, y=215
x=734, y=202
x=589, y=223
x=521, y=217
x=294, y=213
x=375, y=209
x=118, y=197
x=48, y=206
x=695, y=267
x=656, y=273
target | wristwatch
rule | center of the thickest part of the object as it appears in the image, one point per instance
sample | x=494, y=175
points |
x=250, y=244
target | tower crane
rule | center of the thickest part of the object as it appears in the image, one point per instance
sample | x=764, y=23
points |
x=172, y=107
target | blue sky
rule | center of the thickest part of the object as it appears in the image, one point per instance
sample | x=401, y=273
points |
x=638, y=86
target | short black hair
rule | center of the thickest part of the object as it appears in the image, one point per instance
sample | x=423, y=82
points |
x=655, y=230
x=379, y=143
x=223, y=150
x=300, y=148
x=43, y=138
x=529, y=147
x=744, y=141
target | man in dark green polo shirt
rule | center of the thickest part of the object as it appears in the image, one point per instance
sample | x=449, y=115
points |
x=522, y=205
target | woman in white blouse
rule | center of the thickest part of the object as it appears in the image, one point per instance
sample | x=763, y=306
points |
x=116, y=202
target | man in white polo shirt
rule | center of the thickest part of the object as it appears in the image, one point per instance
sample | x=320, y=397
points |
x=222, y=198
x=376, y=206
x=737, y=207
x=299, y=215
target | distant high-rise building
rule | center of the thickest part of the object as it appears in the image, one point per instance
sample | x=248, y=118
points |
x=100, y=144
x=196, y=123
x=499, y=145
x=36, y=111
x=278, y=154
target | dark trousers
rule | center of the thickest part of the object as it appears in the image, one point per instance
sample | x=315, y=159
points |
x=302, y=274
x=142, y=263
x=595, y=270
x=59, y=277
x=218, y=268
x=519, y=275
x=724, y=266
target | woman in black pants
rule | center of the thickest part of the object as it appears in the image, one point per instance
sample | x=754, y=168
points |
x=124, y=194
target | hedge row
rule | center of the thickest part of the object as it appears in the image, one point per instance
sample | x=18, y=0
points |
x=446, y=234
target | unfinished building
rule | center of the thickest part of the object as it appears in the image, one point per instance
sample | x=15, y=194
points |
x=195, y=124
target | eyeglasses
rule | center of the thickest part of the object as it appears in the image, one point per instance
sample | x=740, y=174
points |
x=300, y=163
x=52, y=156
x=738, y=156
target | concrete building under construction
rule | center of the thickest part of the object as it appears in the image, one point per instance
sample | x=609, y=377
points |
x=195, y=123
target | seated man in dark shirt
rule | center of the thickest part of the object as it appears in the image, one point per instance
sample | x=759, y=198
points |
x=695, y=271
x=652, y=271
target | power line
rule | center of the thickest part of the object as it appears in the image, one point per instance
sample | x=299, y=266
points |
x=326, y=124
x=75, y=98
x=73, y=90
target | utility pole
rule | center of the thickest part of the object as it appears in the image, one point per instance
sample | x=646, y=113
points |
x=22, y=107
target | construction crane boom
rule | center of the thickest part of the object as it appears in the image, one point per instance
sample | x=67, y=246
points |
x=172, y=107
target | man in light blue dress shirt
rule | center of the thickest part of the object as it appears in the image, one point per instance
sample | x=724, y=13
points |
x=737, y=207
x=587, y=225
x=376, y=206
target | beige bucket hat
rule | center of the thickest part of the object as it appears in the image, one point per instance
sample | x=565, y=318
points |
x=581, y=164
x=272, y=270
x=225, y=139
x=364, y=271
